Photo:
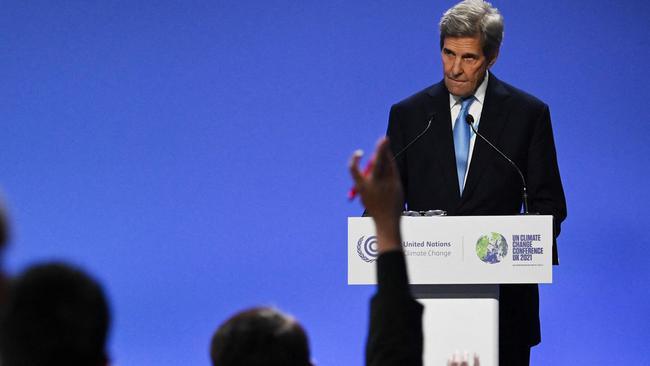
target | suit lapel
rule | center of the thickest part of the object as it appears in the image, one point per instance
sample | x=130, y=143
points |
x=493, y=118
x=441, y=137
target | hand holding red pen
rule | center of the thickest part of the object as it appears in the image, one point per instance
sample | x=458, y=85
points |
x=352, y=194
x=379, y=187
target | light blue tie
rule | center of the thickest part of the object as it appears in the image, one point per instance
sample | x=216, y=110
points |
x=461, y=141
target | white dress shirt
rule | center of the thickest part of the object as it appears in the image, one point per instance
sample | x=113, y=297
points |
x=475, y=110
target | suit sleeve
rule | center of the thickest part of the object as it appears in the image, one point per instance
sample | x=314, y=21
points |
x=395, y=334
x=544, y=183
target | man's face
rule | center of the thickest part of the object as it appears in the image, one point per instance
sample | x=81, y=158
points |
x=464, y=64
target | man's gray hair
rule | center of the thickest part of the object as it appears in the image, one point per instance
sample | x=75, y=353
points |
x=470, y=18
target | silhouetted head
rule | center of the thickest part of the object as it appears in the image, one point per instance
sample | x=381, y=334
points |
x=4, y=239
x=4, y=226
x=260, y=337
x=56, y=315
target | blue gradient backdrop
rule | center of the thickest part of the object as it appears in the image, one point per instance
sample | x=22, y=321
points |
x=192, y=155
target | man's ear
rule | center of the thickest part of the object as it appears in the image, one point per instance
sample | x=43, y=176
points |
x=493, y=60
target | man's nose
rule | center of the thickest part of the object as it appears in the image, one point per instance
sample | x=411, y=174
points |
x=457, y=68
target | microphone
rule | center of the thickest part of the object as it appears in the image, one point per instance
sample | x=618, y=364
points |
x=470, y=121
x=353, y=191
x=429, y=121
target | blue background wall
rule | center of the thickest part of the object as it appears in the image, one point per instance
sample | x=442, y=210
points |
x=193, y=156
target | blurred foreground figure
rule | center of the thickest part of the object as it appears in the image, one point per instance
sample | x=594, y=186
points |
x=260, y=337
x=457, y=360
x=55, y=315
x=395, y=334
x=4, y=239
x=267, y=337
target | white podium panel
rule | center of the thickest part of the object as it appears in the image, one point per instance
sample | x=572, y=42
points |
x=459, y=325
x=460, y=249
x=459, y=318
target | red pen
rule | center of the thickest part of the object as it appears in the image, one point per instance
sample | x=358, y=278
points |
x=353, y=191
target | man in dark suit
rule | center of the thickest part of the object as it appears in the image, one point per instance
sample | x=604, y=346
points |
x=449, y=168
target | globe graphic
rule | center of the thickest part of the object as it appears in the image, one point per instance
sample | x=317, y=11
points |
x=492, y=248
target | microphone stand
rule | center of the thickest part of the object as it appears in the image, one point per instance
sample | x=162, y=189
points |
x=470, y=121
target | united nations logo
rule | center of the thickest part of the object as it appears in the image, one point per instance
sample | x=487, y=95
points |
x=367, y=249
x=492, y=248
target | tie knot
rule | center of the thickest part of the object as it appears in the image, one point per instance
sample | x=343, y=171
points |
x=466, y=101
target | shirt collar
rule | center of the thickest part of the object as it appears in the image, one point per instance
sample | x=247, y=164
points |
x=479, y=95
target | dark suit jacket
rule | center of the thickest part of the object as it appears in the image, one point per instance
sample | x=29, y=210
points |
x=518, y=124
x=395, y=334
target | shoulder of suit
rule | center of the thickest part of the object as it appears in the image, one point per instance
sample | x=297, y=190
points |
x=423, y=96
x=521, y=96
x=438, y=90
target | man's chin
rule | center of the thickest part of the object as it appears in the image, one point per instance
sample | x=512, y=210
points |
x=460, y=93
x=457, y=91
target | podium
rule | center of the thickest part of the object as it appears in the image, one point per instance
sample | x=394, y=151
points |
x=455, y=265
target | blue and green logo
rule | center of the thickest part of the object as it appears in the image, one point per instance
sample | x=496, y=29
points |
x=492, y=248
